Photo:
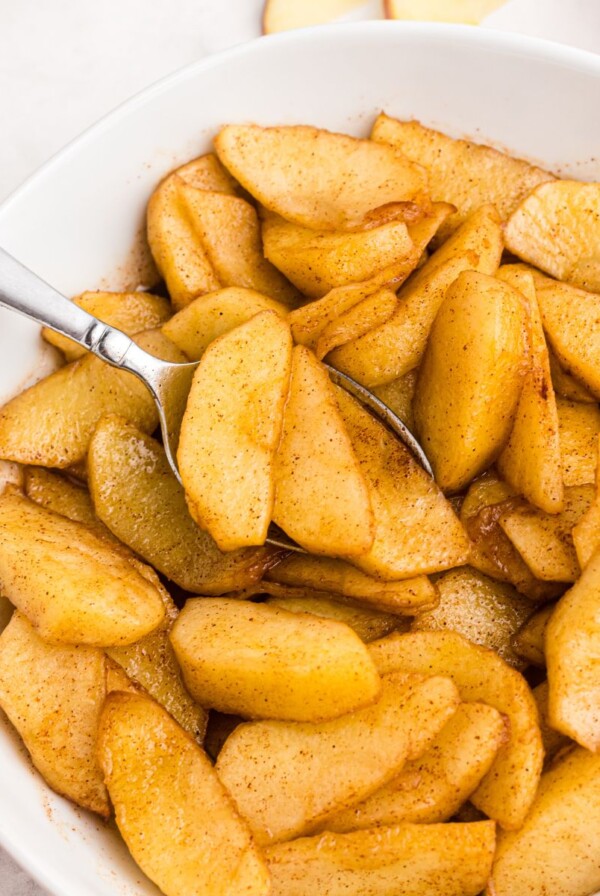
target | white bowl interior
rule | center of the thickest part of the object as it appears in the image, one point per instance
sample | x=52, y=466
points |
x=77, y=224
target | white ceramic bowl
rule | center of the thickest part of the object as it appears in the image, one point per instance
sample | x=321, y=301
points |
x=75, y=223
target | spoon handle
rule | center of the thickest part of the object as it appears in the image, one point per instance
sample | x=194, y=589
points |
x=24, y=292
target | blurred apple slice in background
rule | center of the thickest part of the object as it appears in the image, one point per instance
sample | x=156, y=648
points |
x=468, y=12
x=283, y=15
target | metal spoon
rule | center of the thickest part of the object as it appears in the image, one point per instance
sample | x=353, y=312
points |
x=169, y=384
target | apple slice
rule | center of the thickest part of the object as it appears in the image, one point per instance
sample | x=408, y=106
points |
x=231, y=429
x=321, y=496
x=284, y=15
x=466, y=12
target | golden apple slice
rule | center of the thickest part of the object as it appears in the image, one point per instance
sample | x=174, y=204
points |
x=461, y=172
x=573, y=660
x=557, y=228
x=309, y=321
x=492, y=552
x=131, y=312
x=72, y=586
x=470, y=379
x=231, y=429
x=398, y=395
x=416, y=530
x=397, y=346
x=407, y=860
x=206, y=318
x=485, y=611
x=229, y=231
x=368, y=624
x=468, y=12
x=507, y=791
x=531, y=460
x=207, y=173
x=586, y=532
x=285, y=776
x=321, y=497
x=544, y=540
x=284, y=15
x=579, y=427
x=433, y=787
x=137, y=496
x=552, y=739
x=371, y=312
x=40, y=427
x=317, y=261
x=53, y=695
x=566, y=385
x=529, y=640
x=296, y=667
x=571, y=319
x=339, y=578
x=556, y=850
x=297, y=171
x=164, y=790
x=59, y=494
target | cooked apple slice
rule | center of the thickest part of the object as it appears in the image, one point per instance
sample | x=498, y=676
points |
x=203, y=238
x=205, y=319
x=461, y=172
x=571, y=319
x=579, y=427
x=309, y=321
x=296, y=667
x=485, y=611
x=131, y=312
x=231, y=429
x=368, y=624
x=321, y=497
x=492, y=552
x=165, y=790
x=53, y=695
x=507, y=791
x=371, y=312
x=552, y=739
x=317, y=261
x=531, y=459
x=137, y=496
x=397, y=346
x=470, y=379
x=296, y=172
x=229, y=231
x=586, y=532
x=340, y=578
x=557, y=228
x=407, y=860
x=566, y=385
x=529, y=640
x=59, y=494
x=544, y=540
x=467, y=12
x=433, y=787
x=285, y=776
x=284, y=15
x=72, y=586
x=556, y=850
x=573, y=660
x=398, y=395
x=40, y=427
x=416, y=530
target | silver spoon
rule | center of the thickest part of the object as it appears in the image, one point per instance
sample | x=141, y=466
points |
x=169, y=384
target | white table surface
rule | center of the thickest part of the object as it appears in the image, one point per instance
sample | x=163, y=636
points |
x=66, y=63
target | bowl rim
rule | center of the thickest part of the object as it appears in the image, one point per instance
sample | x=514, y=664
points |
x=519, y=44
x=441, y=33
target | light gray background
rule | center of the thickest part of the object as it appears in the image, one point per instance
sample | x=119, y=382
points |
x=66, y=63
